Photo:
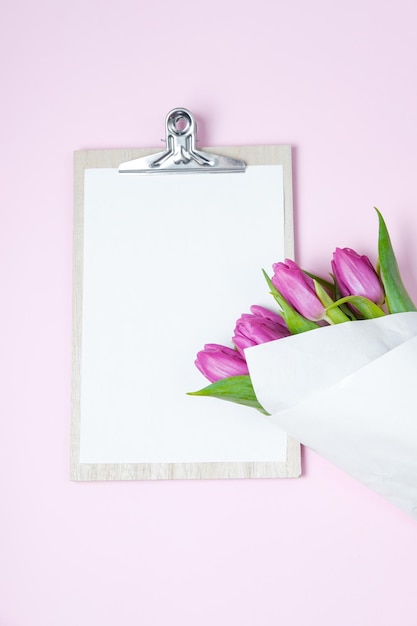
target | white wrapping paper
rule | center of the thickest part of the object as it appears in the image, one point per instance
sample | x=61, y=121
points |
x=349, y=392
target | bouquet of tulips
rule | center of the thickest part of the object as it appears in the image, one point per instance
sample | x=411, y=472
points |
x=346, y=389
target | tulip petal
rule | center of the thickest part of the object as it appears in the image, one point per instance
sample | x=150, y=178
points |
x=356, y=276
x=295, y=321
x=217, y=361
x=396, y=296
x=238, y=389
x=298, y=289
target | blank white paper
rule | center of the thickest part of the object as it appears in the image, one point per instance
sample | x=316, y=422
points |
x=169, y=264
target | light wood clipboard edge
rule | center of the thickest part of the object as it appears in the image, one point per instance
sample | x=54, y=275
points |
x=85, y=159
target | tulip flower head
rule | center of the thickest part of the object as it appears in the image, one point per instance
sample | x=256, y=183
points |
x=216, y=362
x=258, y=327
x=261, y=311
x=355, y=275
x=298, y=289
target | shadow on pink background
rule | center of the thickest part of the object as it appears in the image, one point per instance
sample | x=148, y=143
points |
x=338, y=83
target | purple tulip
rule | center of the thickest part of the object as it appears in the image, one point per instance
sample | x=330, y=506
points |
x=298, y=289
x=260, y=311
x=216, y=362
x=258, y=327
x=355, y=275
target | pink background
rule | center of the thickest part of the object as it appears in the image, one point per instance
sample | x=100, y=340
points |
x=338, y=82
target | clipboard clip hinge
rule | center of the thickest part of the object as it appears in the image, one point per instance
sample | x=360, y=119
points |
x=181, y=155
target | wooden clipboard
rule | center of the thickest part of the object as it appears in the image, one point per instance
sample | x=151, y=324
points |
x=139, y=320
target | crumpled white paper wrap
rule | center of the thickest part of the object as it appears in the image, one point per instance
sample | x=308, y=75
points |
x=349, y=392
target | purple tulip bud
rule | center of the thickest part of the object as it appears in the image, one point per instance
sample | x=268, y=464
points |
x=216, y=362
x=298, y=289
x=259, y=327
x=261, y=311
x=355, y=275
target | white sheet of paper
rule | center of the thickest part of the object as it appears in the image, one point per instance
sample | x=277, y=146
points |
x=170, y=263
x=358, y=407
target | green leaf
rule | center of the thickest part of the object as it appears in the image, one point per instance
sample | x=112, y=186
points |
x=237, y=389
x=367, y=308
x=333, y=314
x=296, y=323
x=396, y=296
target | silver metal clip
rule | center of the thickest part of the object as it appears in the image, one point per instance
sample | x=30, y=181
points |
x=181, y=155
